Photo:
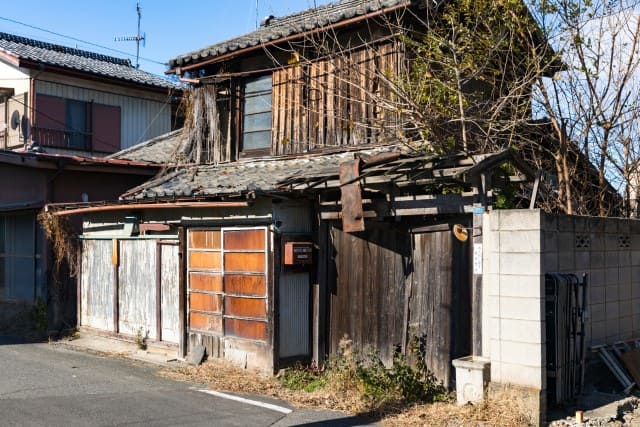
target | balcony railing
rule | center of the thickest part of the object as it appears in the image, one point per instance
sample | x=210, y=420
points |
x=73, y=140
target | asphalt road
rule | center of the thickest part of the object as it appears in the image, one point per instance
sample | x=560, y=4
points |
x=44, y=385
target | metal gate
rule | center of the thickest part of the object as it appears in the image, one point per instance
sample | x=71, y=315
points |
x=565, y=302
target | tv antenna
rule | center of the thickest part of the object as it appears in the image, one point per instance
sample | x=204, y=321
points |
x=137, y=38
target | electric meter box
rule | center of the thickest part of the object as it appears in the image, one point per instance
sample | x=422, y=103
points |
x=298, y=253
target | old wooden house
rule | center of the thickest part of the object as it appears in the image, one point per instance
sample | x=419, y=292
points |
x=309, y=219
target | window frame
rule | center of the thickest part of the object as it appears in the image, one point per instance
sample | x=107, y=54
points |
x=255, y=94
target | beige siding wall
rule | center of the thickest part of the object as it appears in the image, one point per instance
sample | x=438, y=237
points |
x=144, y=115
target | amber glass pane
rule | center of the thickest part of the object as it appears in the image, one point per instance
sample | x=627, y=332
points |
x=244, y=240
x=246, y=329
x=253, y=262
x=240, y=284
x=205, y=260
x=205, y=302
x=205, y=322
x=245, y=307
x=205, y=282
x=204, y=239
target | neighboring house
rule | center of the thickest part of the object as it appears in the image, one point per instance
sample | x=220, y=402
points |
x=72, y=101
x=32, y=180
x=275, y=261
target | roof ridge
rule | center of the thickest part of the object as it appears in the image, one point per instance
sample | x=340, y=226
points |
x=65, y=49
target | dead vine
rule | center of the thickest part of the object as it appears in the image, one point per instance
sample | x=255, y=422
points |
x=58, y=231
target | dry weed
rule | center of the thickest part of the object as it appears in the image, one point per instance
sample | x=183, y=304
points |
x=220, y=375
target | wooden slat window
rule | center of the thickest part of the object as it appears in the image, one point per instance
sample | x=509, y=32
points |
x=227, y=282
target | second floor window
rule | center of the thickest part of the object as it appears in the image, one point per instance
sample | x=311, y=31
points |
x=256, y=123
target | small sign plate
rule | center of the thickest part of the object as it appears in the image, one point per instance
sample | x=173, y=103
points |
x=477, y=258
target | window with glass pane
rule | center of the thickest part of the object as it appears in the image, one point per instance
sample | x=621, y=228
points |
x=256, y=125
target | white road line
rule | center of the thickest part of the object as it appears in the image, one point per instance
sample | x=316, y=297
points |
x=248, y=401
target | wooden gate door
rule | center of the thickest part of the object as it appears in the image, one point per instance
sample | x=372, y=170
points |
x=167, y=306
x=227, y=282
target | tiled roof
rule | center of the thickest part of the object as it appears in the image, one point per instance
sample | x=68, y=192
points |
x=266, y=175
x=278, y=28
x=156, y=150
x=78, y=60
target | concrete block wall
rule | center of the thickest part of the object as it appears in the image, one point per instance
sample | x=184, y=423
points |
x=519, y=247
x=513, y=297
x=608, y=250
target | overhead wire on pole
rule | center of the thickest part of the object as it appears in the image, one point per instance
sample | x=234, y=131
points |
x=13, y=21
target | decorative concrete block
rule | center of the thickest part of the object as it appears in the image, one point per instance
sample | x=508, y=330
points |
x=472, y=378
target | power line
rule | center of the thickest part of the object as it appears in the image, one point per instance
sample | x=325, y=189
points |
x=13, y=21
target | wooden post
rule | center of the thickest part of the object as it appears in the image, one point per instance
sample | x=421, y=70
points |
x=182, y=291
x=78, y=282
x=315, y=290
x=480, y=206
x=158, y=291
x=115, y=261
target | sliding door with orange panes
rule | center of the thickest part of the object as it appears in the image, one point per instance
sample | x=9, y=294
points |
x=227, y=273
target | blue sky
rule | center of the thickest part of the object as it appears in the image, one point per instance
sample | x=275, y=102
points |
x=171, y=27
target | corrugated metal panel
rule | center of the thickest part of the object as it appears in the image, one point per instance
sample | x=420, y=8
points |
x=294, y=217
x=97, y=285
x=169, y=282
x=294, y=314
x=137, y=296
x=142, y=119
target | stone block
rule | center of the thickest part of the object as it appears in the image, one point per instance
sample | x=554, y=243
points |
x=525, y=241
x=611, y=276
x=521, y=286
x=635, y=256
x=550, y=262
x=519, y=219
x=597, y=295
x=597, y=312
x=529, y=376
x=521, y=264
x=550, y=242
x=581, y=224
x=582, y=261
x=597, y=241
x=566, y=262
x=612, y=309
x=626, y=328
x=613, y=329
x=491, y=221
x=634, y=226
x=566, y=223
x=624, y=257
x=519, y=353
x=491, y=284
x=597, y=276
x=549, y=222
x=635, y=319
x=495, y=353
x=611, y=225
x=612, y=293
x=524, y=331
x=624, y=226
x=624, y=291
x=566, y=242
x=598, y=333
x=635, y=307
x=490, y=262
x=635, y=290
x=626, y=309
x=521, y=308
